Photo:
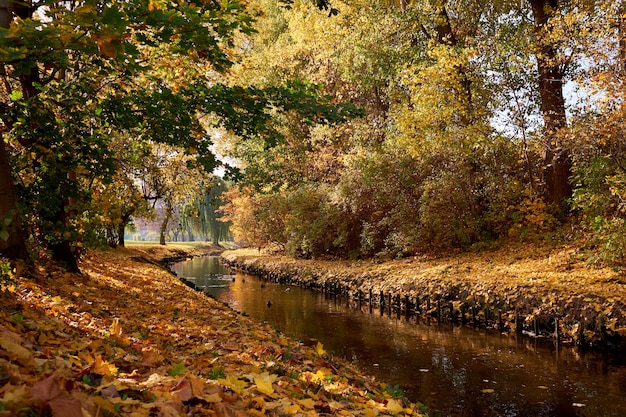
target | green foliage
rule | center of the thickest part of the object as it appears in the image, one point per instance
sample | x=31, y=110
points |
x=6, y=276
x=90, y=88
x=599, y=196
x=178, y=369
x=216, y=372
x=395, y=391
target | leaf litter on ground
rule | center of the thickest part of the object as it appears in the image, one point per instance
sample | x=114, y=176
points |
x=127, y=338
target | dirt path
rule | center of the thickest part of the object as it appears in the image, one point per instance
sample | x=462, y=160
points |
x=127, y=338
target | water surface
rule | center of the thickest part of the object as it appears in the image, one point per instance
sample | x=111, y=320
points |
x=456, y=371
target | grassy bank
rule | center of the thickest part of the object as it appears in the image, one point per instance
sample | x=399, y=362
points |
x=519, y=287
x=127, y=338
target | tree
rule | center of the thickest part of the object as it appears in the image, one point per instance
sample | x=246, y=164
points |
x=78, y=73
x=12, y=238
x=558, y=164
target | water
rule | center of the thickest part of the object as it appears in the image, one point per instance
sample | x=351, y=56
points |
x=456, y=371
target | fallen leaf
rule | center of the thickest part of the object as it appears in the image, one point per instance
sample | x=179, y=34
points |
x=182, y=390
x=487, y=391
x=14, y=394
x=264, y=383
x=394, y=407
x=46, y=389
x=371, y=412
x=103, y=367
x=64, y=406
x=319, y=348
x=292, y=409
x=11, y=343
x=233, y=383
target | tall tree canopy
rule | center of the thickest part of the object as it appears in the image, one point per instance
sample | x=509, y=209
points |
x=80, y=76
x=482, y=121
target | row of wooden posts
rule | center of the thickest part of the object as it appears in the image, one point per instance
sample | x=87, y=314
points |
x=440, y=310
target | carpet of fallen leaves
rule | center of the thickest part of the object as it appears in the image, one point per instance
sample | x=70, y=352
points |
x=542, y=283
x=127, y=338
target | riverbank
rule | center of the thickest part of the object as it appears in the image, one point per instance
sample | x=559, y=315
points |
x=542, y=291
x=126, y=337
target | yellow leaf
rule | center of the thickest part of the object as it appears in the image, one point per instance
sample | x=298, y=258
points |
x=336, y=405
x=211, y=398
x=233, y=383
x=321, y=374
x=264, y=383
x=153, y=5
x=370, y=412
x=292, y=409
x=15, y=394
x=487, y=391
x=307, y=403
x=16, y=351
x=103, y=367
x=394, y=407
x=319, y=348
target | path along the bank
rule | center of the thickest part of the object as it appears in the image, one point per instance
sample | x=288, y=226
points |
x=538, y=290
x=127, y=338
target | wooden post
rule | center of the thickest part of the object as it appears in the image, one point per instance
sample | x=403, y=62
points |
x=452, y=318
x=518, y=322
x=439, y=311
x=581, y=332
x=557, y=333
x=474, y=315
x=486, y=315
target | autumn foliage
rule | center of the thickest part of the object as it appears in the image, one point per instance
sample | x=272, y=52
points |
x=128, y=338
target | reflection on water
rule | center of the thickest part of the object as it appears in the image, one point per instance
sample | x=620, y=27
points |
x=456, y=370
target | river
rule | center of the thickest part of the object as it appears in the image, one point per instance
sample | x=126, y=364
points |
x=454, y=370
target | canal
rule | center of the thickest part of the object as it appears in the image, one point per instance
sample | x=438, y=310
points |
x=456, y=371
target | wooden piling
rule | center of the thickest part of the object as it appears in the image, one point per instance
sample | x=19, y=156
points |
x=518, y=322
x=452, y=318
x=486, y=311
x=474, y=315
x=439, y=311
x=557, y=332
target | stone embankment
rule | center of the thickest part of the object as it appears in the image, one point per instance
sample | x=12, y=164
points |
x=541, y=292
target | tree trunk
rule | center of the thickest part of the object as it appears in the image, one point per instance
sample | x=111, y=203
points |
x=168, y=214
x=14, y=246
x=557, y=162
x=120, y=234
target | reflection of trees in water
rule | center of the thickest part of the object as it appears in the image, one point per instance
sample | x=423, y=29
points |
x=443, y=366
